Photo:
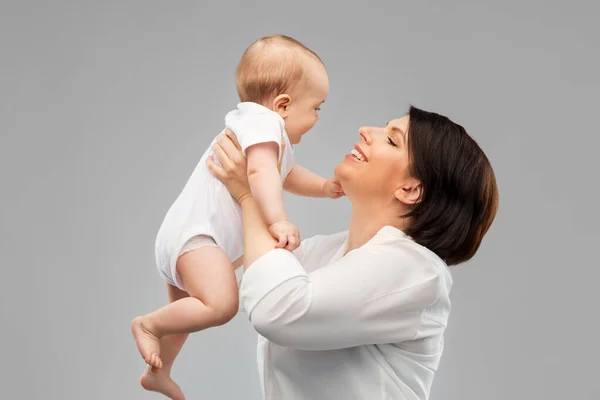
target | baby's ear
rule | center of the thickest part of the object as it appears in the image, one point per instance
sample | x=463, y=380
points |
x=281, y=104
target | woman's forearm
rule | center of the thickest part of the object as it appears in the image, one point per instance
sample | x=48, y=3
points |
x=257, y=239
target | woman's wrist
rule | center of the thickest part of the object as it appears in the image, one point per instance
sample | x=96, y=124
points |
x=245, y=197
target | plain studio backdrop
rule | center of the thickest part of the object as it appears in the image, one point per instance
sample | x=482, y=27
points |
x=107, y=106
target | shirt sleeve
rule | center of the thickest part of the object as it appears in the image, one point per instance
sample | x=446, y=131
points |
x=305, y=246
x=371, y=296
x=256, y=128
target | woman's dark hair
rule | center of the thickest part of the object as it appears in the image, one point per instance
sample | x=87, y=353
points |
x=459, y=196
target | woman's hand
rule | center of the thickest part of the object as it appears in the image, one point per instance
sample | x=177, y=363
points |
x=233, y=169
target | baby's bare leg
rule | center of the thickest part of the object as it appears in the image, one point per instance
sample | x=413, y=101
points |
x=159, y=380
x=238, y=263
x=171, y=345
x=209, y=279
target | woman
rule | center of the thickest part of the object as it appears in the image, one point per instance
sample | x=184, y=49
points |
x=361, y=314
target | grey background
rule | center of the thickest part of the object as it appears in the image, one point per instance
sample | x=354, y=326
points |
x=106, y=107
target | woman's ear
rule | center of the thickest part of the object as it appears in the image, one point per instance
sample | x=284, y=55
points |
x=410, y=192
x=281, y=105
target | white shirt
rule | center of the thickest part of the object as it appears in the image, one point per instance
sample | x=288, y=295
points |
x=204, y=206
x=367, y=325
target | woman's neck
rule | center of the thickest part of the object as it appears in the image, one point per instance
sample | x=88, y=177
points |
x=366, y=222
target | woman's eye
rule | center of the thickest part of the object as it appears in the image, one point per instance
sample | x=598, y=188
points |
x=391, y=142
x=317, y=109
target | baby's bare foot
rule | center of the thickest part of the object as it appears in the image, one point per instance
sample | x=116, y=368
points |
x=156, y=381
x=147, y=342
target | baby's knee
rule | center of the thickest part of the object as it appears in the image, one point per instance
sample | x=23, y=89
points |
x=225, y=310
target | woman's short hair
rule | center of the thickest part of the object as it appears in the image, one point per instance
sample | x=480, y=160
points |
x=459, y=199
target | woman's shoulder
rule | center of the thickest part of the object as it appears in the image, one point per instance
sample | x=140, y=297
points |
x=398, y=250
x=320, y=245
x=328, y=239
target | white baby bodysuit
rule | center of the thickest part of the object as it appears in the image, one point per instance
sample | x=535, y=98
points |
x=204, y=206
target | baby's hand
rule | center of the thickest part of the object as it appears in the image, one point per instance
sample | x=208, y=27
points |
x=333, y=189
x=286, y=233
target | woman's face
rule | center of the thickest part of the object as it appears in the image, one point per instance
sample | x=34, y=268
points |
x=378, y=166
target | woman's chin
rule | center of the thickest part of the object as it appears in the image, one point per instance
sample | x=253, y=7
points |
x=344, y=171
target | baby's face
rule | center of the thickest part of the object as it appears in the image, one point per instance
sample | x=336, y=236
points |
x=304, y=110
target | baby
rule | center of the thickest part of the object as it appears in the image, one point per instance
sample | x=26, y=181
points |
x=281, y=85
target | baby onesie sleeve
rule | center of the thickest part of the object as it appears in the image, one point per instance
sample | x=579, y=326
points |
x=257, y=128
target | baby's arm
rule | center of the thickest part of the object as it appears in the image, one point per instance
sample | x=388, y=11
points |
x=265, y=181
x=302, y=182
x=266, y=188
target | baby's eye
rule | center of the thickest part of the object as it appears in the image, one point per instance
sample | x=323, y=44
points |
x=318, y=109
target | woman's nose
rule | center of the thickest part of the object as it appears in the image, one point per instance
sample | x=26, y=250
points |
x=365, y=133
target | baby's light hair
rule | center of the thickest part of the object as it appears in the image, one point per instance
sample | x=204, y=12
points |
x=271, y=66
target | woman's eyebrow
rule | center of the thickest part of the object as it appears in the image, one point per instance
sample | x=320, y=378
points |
x=395, y=129
x=398, y=130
